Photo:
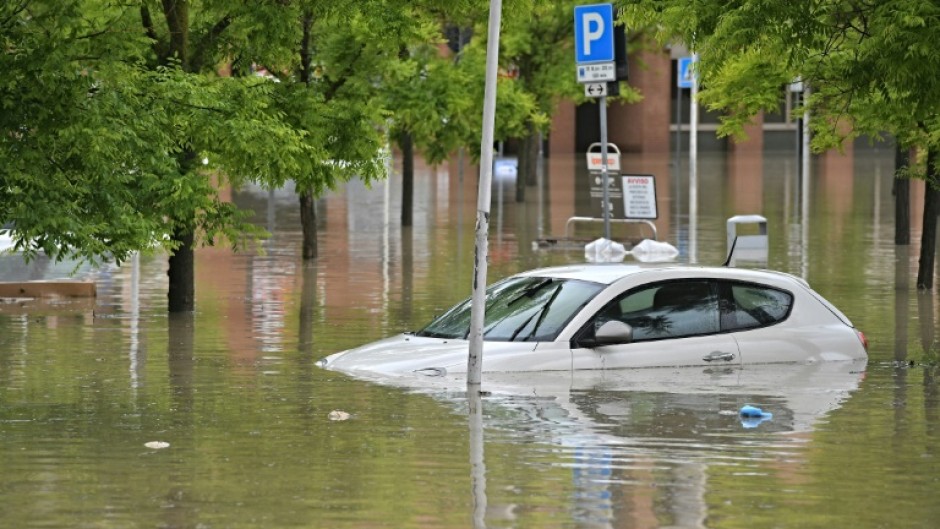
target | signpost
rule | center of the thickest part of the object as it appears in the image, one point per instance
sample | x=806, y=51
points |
x=595, y=56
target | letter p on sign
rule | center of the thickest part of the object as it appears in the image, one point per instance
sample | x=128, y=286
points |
x=594, y=33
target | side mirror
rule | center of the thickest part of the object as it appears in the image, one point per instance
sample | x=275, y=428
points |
x=613, y=332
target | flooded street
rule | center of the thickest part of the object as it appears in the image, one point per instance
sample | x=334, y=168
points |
x=259, y=436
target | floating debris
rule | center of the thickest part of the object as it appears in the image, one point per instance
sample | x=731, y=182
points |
x=156, y=445
x=338, y=415
x=752, y=416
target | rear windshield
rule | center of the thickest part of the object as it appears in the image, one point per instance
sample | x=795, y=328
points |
x=519, y=309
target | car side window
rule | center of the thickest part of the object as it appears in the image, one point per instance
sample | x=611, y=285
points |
x=667, y=310
x=752, y=306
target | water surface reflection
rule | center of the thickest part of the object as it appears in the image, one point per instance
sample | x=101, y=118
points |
x=233, y=387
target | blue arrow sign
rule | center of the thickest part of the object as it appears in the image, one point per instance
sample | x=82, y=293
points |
x=594, y=33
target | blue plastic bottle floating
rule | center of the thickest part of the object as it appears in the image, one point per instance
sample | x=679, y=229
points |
x=752, y=416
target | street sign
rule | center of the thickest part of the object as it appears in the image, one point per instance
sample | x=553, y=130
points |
x=594, y=33
x=684, y=79
x=594, y=73
x=595, y=89
x=639, y=197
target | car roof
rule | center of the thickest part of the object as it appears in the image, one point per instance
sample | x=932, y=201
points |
x=608, y=273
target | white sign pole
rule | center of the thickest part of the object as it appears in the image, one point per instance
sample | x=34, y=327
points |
x=605, y=178
x=805, y=187
x=693, y=165
x=478, y=296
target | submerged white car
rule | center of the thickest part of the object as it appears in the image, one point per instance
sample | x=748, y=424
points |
x=606, y=316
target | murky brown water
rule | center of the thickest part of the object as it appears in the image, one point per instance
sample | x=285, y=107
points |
x=234, y=391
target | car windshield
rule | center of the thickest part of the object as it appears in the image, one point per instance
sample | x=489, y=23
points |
x=519, y=309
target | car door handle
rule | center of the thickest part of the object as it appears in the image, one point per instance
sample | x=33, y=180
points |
x=718, y=355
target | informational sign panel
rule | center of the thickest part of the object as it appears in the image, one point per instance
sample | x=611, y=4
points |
x=614, y=197
x=639, y=196
x=629, y=197
x=592, y=73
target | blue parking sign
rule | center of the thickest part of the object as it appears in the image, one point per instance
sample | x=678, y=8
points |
x=594, y=33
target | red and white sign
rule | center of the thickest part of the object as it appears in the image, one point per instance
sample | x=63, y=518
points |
x=594, y=158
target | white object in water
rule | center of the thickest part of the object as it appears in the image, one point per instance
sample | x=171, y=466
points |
x=338, y=415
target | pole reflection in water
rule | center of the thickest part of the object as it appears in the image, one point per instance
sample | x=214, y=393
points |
x=477, y=462
x=386, y=235
x=250, y=448
x=135, y=323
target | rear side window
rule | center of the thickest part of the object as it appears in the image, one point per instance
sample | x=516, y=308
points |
x=752, y=306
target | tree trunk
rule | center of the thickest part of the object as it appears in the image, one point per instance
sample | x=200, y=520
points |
x=308, y=221
x=308, y=210
x=176, y=13
x=902, y=198
x=181, y=273
x=528, y=162
x=531, y=153
x=928, y=241
x=406, y=145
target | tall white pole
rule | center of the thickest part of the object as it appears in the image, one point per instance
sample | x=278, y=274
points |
x=478, y=296
x=804, y=186
x=693, y=164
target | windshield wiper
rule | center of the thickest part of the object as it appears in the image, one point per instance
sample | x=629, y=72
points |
x=541, y=312
x=528, y=291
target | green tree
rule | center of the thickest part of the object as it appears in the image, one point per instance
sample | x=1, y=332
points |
x=537, y=49
x=77, y=131
x=330, y=60
x=870, y=66
x=109, y=111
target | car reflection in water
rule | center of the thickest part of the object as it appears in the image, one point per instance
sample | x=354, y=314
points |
x=635, y=436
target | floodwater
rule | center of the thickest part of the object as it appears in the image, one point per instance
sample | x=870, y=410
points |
x=258, y=436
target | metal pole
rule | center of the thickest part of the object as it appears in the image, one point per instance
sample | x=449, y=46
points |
x=678, y=129
x=604, y=176
x=693, y=165
x=478, y=296
x=678, y=155
x=804, y=191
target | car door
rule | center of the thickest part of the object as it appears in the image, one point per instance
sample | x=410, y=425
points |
x=674, y=323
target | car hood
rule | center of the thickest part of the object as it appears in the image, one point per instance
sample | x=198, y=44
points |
x=407, y=354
